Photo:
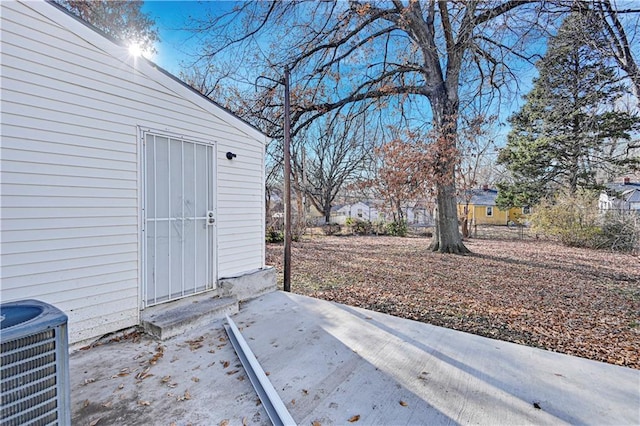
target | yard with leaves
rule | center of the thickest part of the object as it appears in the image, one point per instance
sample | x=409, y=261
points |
x=576, y=301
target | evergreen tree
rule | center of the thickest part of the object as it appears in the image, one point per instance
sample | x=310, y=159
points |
x=569, y=128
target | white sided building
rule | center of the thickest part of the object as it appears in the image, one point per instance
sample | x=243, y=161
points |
x=117, y=193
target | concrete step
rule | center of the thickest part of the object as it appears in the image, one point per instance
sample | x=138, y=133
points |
x=171, y=319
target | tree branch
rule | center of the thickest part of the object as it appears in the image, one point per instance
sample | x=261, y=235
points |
x=499, y=10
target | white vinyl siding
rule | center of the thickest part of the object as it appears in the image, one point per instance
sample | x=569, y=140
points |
x=73, y=105
x=240, y=218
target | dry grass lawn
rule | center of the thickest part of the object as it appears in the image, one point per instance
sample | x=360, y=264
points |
x=538, y=293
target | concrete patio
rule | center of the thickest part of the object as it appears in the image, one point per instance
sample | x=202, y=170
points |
x=333, y=364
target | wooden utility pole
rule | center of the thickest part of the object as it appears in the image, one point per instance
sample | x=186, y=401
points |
x=287, y=184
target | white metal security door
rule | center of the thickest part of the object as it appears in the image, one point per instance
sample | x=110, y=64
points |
x=179, y=218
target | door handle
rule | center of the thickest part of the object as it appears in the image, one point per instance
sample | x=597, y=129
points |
x=210, y=219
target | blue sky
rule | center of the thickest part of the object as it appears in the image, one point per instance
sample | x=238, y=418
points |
x=172, y=17
x=178, y=46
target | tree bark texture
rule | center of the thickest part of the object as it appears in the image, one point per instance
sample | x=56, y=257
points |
x=447, y=238
x=445, y=105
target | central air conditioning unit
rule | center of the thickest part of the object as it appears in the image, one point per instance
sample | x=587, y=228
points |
x=34, y=367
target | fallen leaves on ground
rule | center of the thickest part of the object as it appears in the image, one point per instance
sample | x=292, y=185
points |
x=576, y=301
x=166, y=380
x=159, y=354
x=144, y=374
x=123, y=372
x=185, y=397
x=196, y=344
x=354, y=419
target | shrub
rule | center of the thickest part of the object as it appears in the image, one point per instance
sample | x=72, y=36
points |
x=358, y=226
x=274, y=236
x=574, y=219
x=362, y=227
x=379, y=227
x=620, y=231
x=397, y=228
x=298, y=229
x=331, y=228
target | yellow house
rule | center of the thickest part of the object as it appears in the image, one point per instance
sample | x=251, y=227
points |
x=479, y=207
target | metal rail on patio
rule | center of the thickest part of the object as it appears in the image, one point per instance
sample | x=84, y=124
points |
x=271, y=401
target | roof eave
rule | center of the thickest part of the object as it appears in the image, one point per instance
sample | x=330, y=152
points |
x=109, y=43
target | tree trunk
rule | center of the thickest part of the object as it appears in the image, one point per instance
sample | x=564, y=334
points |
x=267, y=207
x=327, y=213
x=634, y=74
x=447, y=237
x=399, y=216
x=465, y=227
x=302, y=214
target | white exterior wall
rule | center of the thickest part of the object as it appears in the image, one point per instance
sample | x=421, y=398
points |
x=604, y=203
x=350, y=210
x=73, y=104
x=372, y=214
x=612, y=203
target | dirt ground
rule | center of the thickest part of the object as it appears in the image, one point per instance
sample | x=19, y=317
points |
x=576, y=301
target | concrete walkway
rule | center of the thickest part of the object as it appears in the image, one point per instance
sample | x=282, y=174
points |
x=333, y=364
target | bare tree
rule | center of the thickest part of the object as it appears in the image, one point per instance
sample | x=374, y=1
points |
x=477, y=162
x=333, y=153
x=606, y=22
x=206, y=80
x=384, y=55
x=121, y=20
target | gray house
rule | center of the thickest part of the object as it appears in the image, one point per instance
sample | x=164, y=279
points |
x=623, y=196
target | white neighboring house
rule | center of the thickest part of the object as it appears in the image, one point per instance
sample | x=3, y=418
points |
x=416, y=215
x=360, y=210
x=419, y=215
x=623, y=196
x=117, y=193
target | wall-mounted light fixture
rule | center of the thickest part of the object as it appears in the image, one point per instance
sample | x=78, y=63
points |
x=231, y=155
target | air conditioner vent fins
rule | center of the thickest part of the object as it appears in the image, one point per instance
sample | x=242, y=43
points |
x=34, y=365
